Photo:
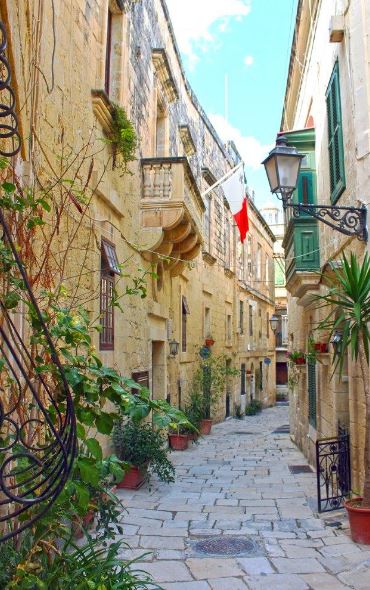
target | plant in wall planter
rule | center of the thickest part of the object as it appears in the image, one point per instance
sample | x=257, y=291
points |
x=123, y=139
x=297, y=357
x=347, y=304
x=145, y=450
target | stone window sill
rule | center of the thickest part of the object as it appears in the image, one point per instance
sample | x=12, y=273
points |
x=102, y=108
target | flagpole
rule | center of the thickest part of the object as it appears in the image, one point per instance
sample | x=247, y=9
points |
x=225, y=177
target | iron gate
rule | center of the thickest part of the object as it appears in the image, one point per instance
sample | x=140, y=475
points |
x=333, y=472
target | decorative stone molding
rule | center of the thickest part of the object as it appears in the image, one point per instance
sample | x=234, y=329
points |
x=209, y=258
x=102, y=110
x=164, y=73
x=301, y=282
x=187, y=140
x=171, y=212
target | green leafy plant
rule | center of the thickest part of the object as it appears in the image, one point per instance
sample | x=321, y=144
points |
x=123, y=137
x=209, y=383
x=238, y=412
x=347, y=306
x=255, y=407
x=87, y=567
x=294, y=355
x=139, y=444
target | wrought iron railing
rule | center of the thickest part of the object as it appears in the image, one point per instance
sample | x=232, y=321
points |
x=37, y=422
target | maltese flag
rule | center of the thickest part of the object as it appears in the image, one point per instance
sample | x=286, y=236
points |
x=235, y=193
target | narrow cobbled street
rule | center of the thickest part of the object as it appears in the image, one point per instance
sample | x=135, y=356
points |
x=237, y=518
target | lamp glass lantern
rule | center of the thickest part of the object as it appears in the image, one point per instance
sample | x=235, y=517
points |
x=174, y=347
x=282, y=167
x=274, y=322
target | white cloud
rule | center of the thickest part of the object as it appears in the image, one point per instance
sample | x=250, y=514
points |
x=248, y=60
x=197, y=22
x=250, y=148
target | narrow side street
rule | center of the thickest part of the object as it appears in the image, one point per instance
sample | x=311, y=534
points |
x=237, y=518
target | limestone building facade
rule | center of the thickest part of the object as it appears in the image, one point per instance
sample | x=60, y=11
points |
x=326, y=116
x=72, y=62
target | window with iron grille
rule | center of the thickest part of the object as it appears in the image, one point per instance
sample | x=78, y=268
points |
x=108, y=53
x=109, y=267
x=207, y=223
x=335, y=137
x=250, y=320
x=311, y=370
x=242, y=379
x=241, y=317
x=184, y=315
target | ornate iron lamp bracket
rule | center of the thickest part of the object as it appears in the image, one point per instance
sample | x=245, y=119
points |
x=350, y=221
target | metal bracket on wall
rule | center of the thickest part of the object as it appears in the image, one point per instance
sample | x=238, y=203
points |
x=351, y=221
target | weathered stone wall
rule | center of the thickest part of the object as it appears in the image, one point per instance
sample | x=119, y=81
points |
x=339, y=399
x=59, y=108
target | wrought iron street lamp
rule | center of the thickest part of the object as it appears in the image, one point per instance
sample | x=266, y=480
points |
x=174, y=348
x=274, y=322
x=282, y=167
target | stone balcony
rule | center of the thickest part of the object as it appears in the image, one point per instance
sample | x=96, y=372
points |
x=171, y=212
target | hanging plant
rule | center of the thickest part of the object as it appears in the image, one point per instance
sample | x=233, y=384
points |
x=123, y=139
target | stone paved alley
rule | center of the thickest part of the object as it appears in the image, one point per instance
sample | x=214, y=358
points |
x=236, y=484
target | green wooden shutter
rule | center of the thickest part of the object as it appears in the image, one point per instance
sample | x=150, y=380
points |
x=335, y=137
x=311, y=369
x=306, y=193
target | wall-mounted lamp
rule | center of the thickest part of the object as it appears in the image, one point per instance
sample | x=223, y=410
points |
x=336, y=340
x=274, y=322
x=282, y=167
x=174, y=347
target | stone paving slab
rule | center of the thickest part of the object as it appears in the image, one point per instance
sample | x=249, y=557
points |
x=234, y=485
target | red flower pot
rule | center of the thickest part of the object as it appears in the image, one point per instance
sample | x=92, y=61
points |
x=318, y=346
x=300, y=361
x=209, y=342
x=178, y=442
x=134, y=478
x=324, y=347
x=205, y=426
x=359, y=521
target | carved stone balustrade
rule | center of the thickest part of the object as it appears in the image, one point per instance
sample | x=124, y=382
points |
x=171, y=212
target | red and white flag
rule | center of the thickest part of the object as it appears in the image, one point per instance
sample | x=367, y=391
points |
x=235, y=193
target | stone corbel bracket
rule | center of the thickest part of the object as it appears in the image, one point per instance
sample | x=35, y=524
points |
x=164, y=73
x=187, y=140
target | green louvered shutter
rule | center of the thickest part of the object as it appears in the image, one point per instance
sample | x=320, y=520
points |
x=311, y=369
x=335, y=137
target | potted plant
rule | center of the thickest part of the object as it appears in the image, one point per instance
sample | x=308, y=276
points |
x=209, y=341
x=297, y=357
x=178, y=439
x=349, y=299
x=209, y=383
x=146, y=451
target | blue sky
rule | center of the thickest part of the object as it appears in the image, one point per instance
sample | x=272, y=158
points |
x=249, y=42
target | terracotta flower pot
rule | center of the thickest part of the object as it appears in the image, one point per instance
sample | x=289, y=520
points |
x=178, y=442
x=134, y=478
x=359, y=521
x=205, y=426
x=209, y=342
x=300, y=361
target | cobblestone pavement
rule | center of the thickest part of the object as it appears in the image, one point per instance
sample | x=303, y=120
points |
x=236, y=483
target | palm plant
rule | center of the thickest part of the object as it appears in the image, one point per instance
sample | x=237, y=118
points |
x=349, y=297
